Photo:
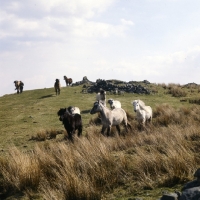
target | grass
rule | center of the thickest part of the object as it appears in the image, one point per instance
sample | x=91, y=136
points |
x=37, y=163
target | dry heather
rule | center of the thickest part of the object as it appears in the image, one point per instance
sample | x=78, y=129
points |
x=176, y=91
x=166, y=153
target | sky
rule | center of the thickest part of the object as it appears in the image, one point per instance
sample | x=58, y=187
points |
x=128, y=40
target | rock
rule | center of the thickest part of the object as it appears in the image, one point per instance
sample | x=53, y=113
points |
x=112, y=86
x=191, y=194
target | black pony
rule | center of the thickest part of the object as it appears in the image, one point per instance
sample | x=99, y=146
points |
x=71, y=122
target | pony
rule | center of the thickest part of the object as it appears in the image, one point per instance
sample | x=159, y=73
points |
x=114, y=103
x=70, y=122
x=19, y=85
x=73, y=110
x=57, y=86
x=110, y=118
x=101, y=96
x=68, y=80
x=143, y=112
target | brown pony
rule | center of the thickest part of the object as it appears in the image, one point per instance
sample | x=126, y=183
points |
x=68, y=81
x=57, y=86
x=19, y=85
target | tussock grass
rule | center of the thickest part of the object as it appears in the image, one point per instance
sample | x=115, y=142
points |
x=43, y=135
x=165, y=114
x=164, y=154
x=95, y=165
x=176, y=91
x=20, y=171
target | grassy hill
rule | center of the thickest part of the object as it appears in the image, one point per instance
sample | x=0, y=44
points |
x=143, y=164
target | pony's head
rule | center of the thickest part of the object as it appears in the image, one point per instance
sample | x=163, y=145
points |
x=61, y=113
x=136, y=105
x=97, y=107
x=110, y=101
x=103, y=94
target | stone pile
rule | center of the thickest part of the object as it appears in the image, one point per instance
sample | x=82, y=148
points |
x=115, y=87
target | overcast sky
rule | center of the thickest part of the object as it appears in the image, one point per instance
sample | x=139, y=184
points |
x=129, y=40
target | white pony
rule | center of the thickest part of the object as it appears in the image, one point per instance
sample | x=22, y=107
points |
x=144, y=113
x=114, y=103
x=110, y=118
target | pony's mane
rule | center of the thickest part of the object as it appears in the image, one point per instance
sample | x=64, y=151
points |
x=142, y=104
x=101, y=103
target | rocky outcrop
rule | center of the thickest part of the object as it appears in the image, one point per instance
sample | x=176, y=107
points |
x=113, y=86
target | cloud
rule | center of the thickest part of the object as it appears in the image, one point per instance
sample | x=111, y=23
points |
x=80, y=8
x=126, y=22
x=127, y=40
x=59, y=21
x=34, y=8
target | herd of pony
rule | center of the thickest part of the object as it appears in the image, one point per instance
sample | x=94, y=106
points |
x=57, y=84
x=19, y=85
x=113, y=116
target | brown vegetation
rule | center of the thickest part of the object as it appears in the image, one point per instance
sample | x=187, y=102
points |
x=176, y=91
x=165, y=154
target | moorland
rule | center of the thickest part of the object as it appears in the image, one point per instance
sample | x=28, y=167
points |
x=36, y=162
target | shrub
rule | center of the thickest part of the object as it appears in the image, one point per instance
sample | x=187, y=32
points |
x=177, y=91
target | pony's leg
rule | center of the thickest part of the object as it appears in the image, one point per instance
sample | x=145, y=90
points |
x=144, y=121
x=129, y=126
x=69, y=133
x=148, y=121
x=126, y=127
x=126, y=124
x=103, y=130
x=108, y=130
x=141, y=125
x=118, y=129
x=79, y=131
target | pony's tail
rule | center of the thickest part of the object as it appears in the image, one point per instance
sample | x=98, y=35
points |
x=129, y=126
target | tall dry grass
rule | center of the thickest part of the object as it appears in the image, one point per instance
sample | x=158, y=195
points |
x=166, y=153
x=176, y=91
